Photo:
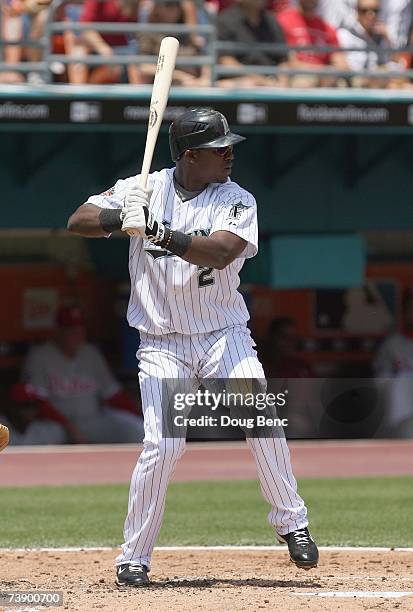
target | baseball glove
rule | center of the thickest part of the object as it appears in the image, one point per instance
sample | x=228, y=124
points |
x=4, y=437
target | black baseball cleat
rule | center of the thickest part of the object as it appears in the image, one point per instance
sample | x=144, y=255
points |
x=132, y=575
x=303, y=549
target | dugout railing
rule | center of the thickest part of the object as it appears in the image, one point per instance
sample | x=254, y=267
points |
x=209, y=56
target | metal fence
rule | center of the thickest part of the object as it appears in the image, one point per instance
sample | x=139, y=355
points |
x=210, y=55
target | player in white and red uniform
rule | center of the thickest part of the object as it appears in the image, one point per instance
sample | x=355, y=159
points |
x=77, y=381
x=196, y=227
x=393, y=367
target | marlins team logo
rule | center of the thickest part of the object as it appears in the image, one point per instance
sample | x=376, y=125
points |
x=236, y=211
x=225, y=124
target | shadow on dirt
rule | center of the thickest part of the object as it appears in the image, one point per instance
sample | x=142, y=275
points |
x=208, y=583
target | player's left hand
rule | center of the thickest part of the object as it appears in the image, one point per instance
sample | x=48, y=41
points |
x=134, y=218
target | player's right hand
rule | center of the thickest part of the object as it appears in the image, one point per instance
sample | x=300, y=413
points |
x=138, y=196
x=133, y=216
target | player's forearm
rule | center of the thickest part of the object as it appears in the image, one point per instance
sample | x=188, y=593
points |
x=202, y=253
x=87, y=221
x=213, y=252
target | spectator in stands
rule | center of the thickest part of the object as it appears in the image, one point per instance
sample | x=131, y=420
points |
x=172, y=12
x=398, y=17
x=335, y=12
x=12, y=29
x=279, y=5
x=77, y=381
x=37, y=12
x=74, y=45
x=216, y=6
x=366, y=32
x=31, y=420
x=193, y=13
x=111, y=44
x=302, y=27
x=248, y=22
x=393, y=367
x=338, y=13
x=28, y=19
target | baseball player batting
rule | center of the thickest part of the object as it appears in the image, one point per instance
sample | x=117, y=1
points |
x=196, y=228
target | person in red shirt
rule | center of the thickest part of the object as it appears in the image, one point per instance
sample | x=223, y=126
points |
x=217, y=6
x=111, y=43
x=79, y=386
x=303, y=26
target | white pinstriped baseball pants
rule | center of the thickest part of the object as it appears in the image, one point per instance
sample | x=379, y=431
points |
x=227, y=353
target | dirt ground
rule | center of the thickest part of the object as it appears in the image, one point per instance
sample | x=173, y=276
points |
x=214, y=580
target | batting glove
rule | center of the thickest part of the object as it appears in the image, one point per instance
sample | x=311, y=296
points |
x=132, y=215
x=136, y=216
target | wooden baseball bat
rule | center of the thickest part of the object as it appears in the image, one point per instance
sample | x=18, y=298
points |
x=160, y=91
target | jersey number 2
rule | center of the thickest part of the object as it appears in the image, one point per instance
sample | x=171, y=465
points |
x=205, y=277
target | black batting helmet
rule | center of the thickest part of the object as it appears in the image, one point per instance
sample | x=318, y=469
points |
x=200, y=128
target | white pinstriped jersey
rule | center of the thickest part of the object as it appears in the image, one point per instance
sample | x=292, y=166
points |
x=168, y=294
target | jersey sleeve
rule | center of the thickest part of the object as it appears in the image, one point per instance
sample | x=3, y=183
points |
x=238, y=215
x=114, y=196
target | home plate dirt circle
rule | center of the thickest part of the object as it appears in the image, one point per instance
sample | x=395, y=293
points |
x=218, y=580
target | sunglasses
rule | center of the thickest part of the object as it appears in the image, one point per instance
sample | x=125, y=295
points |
x=364, y=11
x=223, y=151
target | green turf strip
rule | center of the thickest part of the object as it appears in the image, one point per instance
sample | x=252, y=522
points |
x=353, y=512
